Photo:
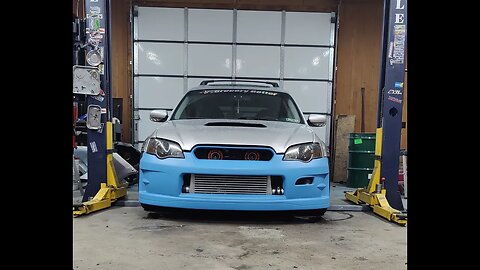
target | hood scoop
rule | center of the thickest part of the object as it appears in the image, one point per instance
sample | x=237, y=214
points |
x=234, y=124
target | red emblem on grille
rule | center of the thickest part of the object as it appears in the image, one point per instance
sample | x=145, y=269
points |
x=215, y=154
x=252, y=155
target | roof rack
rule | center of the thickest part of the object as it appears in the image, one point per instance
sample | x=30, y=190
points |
x=273, y=84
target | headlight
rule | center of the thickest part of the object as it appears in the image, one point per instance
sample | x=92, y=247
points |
x=163, y=148
x=306, y=152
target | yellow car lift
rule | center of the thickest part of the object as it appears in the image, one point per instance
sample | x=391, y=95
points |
x=374, y=194
x=111, y=190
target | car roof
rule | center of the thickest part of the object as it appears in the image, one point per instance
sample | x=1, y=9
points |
x=224, y=86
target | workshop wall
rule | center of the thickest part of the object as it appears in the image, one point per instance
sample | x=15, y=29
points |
x=121, y=56
x=358, y=60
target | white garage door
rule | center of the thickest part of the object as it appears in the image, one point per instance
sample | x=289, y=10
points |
x=177, y=48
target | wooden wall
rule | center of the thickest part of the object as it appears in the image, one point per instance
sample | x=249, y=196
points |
x=121, y=57
x=358, y=60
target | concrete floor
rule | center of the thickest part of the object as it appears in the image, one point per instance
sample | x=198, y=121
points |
x=130, y=238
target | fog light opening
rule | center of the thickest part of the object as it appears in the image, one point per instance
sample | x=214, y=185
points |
x=186, y=183
x=304, y=181
x=277, y=185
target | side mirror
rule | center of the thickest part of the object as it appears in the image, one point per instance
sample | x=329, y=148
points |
x=158, y=115
x=317, y=120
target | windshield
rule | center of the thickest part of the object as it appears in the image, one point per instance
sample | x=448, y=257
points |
x=238, y=104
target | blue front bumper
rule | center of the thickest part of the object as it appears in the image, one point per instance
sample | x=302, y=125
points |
x=161, y=181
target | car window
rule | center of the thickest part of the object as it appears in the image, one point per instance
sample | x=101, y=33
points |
x=238, y=104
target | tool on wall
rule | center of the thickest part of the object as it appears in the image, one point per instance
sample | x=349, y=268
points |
x=382, y=192
x=362, y=90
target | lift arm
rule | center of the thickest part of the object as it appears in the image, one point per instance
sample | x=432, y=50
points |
x=110, y=191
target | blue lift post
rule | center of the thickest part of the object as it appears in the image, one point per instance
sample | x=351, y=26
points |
x=390, y=99
x=385, y=198
x=103, y=187
x=98, y=30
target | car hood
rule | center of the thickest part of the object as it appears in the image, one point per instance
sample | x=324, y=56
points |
x=277, y=135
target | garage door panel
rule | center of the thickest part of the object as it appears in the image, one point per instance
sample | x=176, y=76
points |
x=161, y=23
x=259, y=27
x=308, y=28
x=210, y=25
x=159, y=58
x=304, y=65
x=209, y=60
x=307, y=63
x=258, y=61
x=310, y=96
x=159, y=92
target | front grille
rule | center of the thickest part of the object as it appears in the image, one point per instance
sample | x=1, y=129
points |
x=230, y=184
x=227, y=153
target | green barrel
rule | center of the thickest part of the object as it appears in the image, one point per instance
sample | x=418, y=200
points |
x=361, y=156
